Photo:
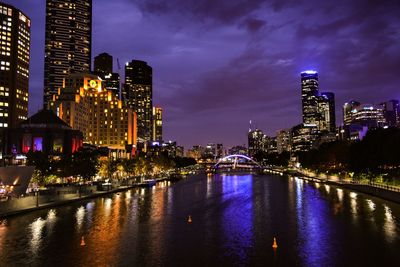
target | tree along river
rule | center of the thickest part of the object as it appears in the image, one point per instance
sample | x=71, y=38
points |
x=234, y=221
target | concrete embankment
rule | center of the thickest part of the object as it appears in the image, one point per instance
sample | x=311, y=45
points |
x=32, y=203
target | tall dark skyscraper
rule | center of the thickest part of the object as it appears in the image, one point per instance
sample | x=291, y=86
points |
x=68, y=42
x=103, y=64
x=14, y=66
x=309, y=97
x=138, y=94
x=329, y=114
x=103, y=67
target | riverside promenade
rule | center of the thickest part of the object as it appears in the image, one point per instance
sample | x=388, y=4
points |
x=62, y=195
x=387, y=192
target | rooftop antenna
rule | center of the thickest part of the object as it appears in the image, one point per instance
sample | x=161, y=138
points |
x=250, y=126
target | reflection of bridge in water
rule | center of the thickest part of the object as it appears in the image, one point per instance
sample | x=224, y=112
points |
x=236, y=163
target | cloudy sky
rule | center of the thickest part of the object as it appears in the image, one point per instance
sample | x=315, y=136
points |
x=218, y=64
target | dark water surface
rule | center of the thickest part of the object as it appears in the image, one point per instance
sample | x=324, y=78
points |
x=234, y=221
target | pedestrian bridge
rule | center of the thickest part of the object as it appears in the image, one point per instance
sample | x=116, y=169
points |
x=236, y=163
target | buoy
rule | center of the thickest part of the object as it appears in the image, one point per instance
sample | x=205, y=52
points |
x=83, y=241
x=189, y=219
x=274, y=245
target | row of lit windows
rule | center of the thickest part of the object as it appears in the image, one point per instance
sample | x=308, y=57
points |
x=6, y=11
x=3, y=124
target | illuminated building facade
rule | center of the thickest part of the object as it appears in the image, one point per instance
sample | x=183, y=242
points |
x=283, y=140
x=138, y=93
x=104, y=119
x=309, y=97
x=257, y=141
x=14, y=66
x=67, y=42
x=303, y=137
x=328, y=114
x=157, y=124
x=44, y=132
x=347, y=111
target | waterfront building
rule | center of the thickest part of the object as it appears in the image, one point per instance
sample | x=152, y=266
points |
x=157, y=124
x=138, y=93
x=104, y=119
x=14, y=66
x=68, y=41
x=303, y=137
x=44, y=132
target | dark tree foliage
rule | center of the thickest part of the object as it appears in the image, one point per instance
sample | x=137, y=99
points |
x=278, y=159
x=181, y=162
x=377, y=153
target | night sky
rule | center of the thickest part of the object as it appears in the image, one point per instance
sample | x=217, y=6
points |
x=218, y=64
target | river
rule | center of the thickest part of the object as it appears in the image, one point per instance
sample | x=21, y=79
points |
x=234, y=221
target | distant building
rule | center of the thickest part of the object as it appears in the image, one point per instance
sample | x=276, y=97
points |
x=14, y=66
x=44, y=132
x=103, y=67
x=104, y=119
x=257, y=142
x=68, y=42
x=328, y=113
x=103, y=64
x=157, y=124
x=391, y=112
x=138, y=94
x=238, y=150
x=195, y=152
x=283, y=141
x=348, y=107
x=309, y=97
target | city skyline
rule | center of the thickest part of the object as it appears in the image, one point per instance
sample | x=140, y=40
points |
x=220, y=69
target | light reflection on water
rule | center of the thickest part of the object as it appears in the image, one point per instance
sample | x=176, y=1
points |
x=235, y=218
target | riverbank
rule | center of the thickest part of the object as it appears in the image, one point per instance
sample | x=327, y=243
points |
x=65, y=195
x=385, y=192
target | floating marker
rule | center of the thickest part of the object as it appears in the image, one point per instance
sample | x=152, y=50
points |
x=83, y=241
x=274, y=245
x=189, y=219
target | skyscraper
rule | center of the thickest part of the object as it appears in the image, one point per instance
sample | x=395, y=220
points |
x=138, y=93
x=14, y=66
x=329, y=114
x=309, y=97
x=67, y=43
x=103, y=64
x=157, y=124
x=103, y=67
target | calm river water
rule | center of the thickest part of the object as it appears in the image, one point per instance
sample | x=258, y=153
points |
x=234, y=221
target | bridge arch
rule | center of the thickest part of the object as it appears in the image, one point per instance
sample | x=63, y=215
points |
x=222, y=160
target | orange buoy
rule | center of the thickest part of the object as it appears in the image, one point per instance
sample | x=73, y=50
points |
x=83, y=241
x=189, y=219
x=274, y=245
